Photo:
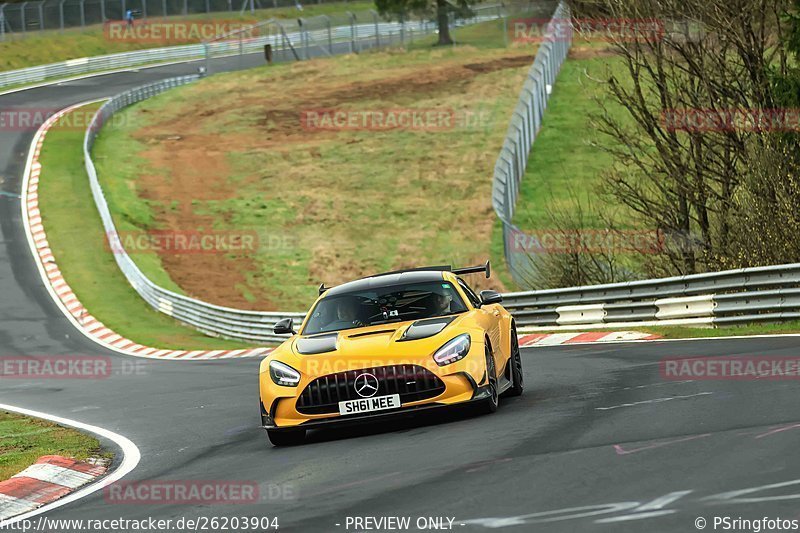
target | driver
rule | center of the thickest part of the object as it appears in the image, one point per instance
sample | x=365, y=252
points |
x=346, y=315
x=346, y=312
x=441, y=304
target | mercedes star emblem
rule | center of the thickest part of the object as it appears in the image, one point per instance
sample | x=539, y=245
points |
x=366, y=385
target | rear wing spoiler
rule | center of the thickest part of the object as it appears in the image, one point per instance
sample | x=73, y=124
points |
x=487, y=268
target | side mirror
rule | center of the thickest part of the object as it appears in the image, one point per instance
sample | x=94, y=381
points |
x=284, y=327
x=490, y=297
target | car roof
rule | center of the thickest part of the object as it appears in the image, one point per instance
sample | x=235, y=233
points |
x=387, y=280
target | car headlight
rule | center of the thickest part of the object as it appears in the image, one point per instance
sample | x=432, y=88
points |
x=283, y=374
x=453, y=351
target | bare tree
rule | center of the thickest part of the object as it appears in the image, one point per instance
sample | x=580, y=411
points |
x=727, y=192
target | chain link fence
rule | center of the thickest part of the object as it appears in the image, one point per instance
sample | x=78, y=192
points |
x=350, y=32
x=525, y=124
x=43, y=15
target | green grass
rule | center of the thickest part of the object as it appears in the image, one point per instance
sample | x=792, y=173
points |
x=567, y=159
x=23, y=440
x=76, y=236
x=37, y=48
x=350, y=203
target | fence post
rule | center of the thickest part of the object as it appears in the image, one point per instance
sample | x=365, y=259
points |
x=61, y=15
x=83, y=13
x=377, y=33
x=352, y=32
x=330, y=34
x=2, y=22
x=41, y=15
x=22, y=17
x=303, y=46
x=144, y=9
x=103, y=11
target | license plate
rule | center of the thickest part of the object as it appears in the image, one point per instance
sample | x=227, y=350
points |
x=366, y=405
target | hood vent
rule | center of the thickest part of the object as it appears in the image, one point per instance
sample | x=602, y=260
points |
x=422, y=329
x=368, y=333
x=318, y=344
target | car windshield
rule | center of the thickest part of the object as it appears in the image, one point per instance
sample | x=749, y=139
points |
x=383, y=305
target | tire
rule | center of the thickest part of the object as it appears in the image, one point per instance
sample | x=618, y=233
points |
x=490, y=404
x=291, y=437
x=517, y=378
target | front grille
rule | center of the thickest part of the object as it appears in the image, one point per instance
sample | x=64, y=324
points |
x=413, y=383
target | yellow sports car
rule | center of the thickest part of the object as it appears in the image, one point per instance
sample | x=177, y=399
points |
x=388, y=345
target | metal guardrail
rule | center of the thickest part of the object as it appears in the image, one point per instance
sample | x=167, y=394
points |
x=210, y=319
x=525, y=123
x=769, y=293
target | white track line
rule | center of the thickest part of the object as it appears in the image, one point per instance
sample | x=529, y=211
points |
x=130, y=459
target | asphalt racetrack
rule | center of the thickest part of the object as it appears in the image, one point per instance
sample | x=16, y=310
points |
x=600, y=441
